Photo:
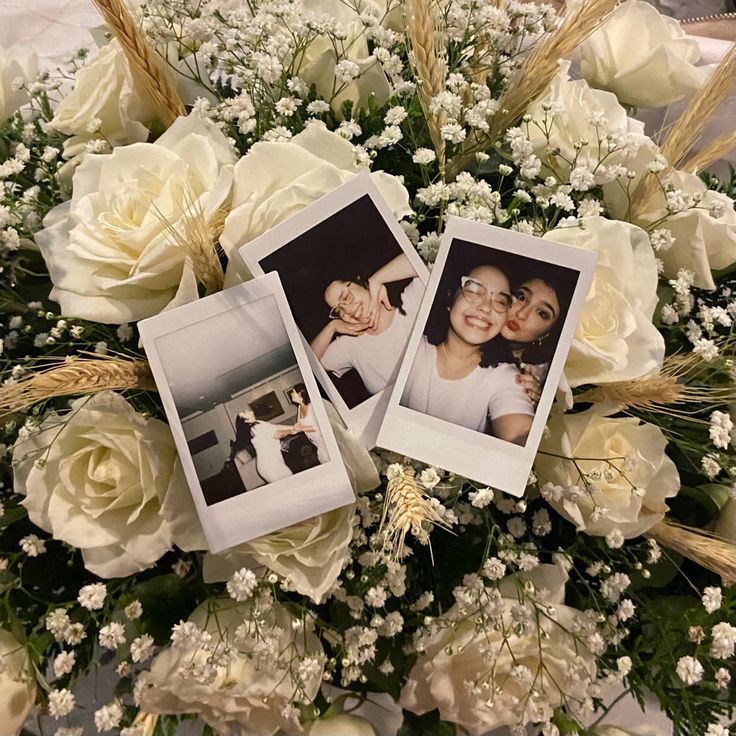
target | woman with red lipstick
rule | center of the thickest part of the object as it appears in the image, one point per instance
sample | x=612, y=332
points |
x=452, y=377
x=533, y=324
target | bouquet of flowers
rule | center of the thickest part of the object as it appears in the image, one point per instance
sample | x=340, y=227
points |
x=129, y=177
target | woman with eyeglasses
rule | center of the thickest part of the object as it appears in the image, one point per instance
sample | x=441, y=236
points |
x=366, y=331
x=452, y=377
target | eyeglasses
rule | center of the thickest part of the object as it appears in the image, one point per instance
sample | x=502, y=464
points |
x=475, y=292
x=346, y=297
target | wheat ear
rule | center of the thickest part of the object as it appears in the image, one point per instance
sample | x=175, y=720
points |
x=199, y=236
x=710, y=153
x=687, y=129
x=145, y=64
x=711, y=552
x=75, y=377
x=536, y=73
x=408, y=509
x=667, y=392
x=426, y=41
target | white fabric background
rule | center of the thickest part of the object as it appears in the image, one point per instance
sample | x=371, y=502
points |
x=55, y=28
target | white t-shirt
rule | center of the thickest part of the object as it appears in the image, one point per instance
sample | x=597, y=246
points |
x=377, y=357
x=467, y=401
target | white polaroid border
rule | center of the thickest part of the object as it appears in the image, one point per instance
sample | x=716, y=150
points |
x=495, y=462
x=363, y=420
x=275, y=505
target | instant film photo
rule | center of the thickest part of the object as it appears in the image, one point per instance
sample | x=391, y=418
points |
x=486, y=354
x=354, y=284
x=255, y=442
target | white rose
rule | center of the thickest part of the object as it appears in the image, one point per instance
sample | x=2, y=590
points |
x=18, y=66
x=105, y=98
x=342, y=724
x=726, y=524
x=17, y=685
x=574, y=104
x=701, y=241
x=249, y=670
x=610, y=730
x=626, y=493
x=458, y=655
x=655, y=70
x=311, y=554
x=276, y=180
x=107, y=481
x=318, y=62
x=615, y=339
x=110, y=257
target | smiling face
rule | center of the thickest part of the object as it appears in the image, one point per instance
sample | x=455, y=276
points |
x=477, y=323
x=348, y=301
x=534, y=312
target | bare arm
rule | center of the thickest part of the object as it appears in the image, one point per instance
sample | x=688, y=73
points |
x=395, y=270
x=334, y=327
x=512, y=427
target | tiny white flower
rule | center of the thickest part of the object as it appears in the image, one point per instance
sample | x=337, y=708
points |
x=33, y=545
x=64, y=663
x=712, y=599
x=61, y=703
x=241, y=585
x=108, y=717
x=689, y=670
x=112, y=635
x=92, y=596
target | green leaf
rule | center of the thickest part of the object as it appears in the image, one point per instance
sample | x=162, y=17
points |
x=427, y=725
x=12, y=515
x=717, y=493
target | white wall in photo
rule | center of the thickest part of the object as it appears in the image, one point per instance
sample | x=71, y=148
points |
x=219, y=346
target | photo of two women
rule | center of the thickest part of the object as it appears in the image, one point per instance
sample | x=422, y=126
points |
x=489, y=339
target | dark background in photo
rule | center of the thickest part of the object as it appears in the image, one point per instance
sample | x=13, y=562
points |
x=463, y=257
x=354, y=242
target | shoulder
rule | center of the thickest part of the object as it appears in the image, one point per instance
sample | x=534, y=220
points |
x=412, y=295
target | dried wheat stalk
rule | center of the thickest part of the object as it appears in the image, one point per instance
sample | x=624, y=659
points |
x=199, y=235
x=669, y=388
x=710, y=153
x=145, y=64
x=536, y=73
x=699, y=111
x=686, y=130
x=408, y=509
x=426, y=38
x=76, y=377
x=713, y=553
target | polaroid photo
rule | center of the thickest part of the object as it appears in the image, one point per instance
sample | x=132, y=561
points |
x=247, y=417
x=329, y=256
x=486, y=354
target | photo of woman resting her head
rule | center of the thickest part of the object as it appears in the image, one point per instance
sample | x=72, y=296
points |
x=365, y=330
x=488, y=341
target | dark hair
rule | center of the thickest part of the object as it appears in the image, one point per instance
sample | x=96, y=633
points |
x=463, y=258
x=394, y=289
x=301, y=389
x=243, y=436
x=562, y=281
